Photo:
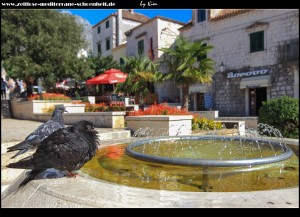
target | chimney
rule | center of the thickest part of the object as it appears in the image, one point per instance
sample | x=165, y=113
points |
x=130, y=11
x=119, y=28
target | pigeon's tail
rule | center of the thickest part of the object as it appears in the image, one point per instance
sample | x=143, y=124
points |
x=19, y=152
x=22, y=147
x=29, y=177
x=18, y=146
x=26, y=163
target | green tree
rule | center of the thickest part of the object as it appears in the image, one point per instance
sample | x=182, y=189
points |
x=41, y=44
x=101, y=64
x=141, y=71
x=187, y=64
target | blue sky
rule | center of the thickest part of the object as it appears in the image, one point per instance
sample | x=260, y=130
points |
x=96, y=15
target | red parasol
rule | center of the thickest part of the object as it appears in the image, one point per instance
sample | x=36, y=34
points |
x=111, y=76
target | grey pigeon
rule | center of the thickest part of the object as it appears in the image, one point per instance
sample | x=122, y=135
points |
x=34, y=139
x=66, y=149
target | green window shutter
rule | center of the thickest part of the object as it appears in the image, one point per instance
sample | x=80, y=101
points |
x=107, y=44
x=141, y=47
x=122, y=61
x=260, y=41
x=257, y=41
x=99, y=48
x=201, y=15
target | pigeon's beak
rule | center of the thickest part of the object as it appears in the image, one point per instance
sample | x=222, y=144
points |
x=95, y=131
x=66, y=111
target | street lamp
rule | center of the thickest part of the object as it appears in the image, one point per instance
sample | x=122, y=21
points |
x=222, y=67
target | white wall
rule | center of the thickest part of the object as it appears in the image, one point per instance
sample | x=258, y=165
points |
x=111, y=32
x=119, y=52
x=163, y=35
x=103, y=35
x=230, y=36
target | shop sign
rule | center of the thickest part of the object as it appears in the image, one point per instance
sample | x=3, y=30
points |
x=247, y=74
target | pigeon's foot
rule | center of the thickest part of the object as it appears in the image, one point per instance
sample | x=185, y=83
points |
x=71, y=174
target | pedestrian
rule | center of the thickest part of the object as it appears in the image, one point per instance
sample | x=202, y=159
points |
x=3, y=88
x=16, y=91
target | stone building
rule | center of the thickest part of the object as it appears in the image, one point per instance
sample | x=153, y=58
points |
x=256, y=54
x=147, y=39
x=109, y=32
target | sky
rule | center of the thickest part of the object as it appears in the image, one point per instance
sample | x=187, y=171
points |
x=96, y=15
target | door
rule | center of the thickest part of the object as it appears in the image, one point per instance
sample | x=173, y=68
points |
x=257, y=96
x=200, y=102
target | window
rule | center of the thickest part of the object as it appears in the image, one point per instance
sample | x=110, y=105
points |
x=107, y=24
x=257, y=41
x=141, y=47
x=201, y=15
x=99, y=29
x=99, y=48
x=122, y=61
x=201, y=57
x=107, y=44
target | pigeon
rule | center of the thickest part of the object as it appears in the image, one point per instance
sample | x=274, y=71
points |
x=34, y=139
x=66, y=149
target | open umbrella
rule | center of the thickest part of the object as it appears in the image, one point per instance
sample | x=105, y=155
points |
x=111, y=76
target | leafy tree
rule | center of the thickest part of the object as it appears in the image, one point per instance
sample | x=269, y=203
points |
x=101, y=64
x=187, y=64
x=41, y=44
x=141, y=71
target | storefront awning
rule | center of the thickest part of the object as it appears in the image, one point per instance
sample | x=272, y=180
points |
x=257, y=81
x=198, y=88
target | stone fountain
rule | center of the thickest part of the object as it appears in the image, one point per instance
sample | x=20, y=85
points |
x=125, y=184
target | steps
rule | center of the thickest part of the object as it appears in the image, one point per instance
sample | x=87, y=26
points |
x=5, y=109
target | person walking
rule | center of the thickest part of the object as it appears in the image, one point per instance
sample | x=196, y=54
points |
x=16, y=91
x=3, y=89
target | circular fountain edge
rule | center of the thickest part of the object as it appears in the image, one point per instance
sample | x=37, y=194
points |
x=205, y=162
x=87, y=192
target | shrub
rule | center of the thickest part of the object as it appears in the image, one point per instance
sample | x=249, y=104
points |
x=283, y=114
x=102, y=107
x=160, y=109
x=49, y=96
x=202, y=123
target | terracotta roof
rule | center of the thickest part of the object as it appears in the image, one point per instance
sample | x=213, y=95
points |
x=226, y=13
x=186, y=26
x=134, y=16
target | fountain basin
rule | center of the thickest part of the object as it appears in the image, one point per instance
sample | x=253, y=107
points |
x=85, y=191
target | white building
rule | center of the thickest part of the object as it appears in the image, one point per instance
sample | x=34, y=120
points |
x=146, y=39
x=256, y=54
x=109, y=32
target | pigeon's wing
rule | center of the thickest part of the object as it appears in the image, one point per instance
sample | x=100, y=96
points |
x=62, y=150
x=35, y=138
x=43, y=131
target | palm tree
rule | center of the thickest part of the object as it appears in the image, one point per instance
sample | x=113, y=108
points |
x=188, y=64
x=141, y=72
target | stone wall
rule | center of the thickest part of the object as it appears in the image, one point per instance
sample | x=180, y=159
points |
x=228, y=98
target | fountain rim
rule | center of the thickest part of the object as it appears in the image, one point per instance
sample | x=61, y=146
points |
x=207, y=162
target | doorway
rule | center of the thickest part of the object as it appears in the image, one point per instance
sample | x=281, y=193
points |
x=256, y=97
x=200, y=102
